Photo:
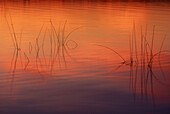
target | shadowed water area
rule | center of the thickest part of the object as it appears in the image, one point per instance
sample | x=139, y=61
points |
x=84, y=57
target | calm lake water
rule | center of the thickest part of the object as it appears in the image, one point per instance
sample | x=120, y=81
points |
x=75, y=57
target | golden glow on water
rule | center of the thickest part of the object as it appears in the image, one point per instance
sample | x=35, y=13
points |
x=80, y=67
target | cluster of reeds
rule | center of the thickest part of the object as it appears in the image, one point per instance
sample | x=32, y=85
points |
x=141, y=61
x=58, y=43
x=16, y=39
x=50, y=48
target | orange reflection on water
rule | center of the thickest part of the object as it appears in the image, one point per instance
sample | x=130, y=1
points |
x=46, y=55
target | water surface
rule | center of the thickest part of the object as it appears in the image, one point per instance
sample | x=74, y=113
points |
x=82, y=76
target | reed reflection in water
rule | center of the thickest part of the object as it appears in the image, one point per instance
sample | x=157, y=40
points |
x=140, y=62
x=45, y=59
x=57, y=68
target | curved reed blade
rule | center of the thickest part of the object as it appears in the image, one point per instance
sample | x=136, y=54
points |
x=114, y=52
